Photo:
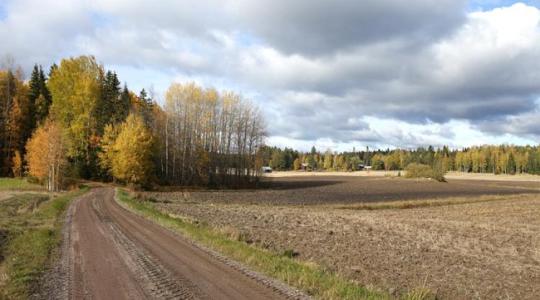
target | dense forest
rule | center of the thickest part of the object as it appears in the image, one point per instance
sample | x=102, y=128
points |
x=502, y=159
x=78, y=121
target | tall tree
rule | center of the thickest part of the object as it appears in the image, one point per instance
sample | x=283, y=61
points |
x=75, y=88
x=132, y=157
x=39, y=96
x=15, y=118
x=46, y=154
x=221, y=131
x=108, y=102
x=121, y=110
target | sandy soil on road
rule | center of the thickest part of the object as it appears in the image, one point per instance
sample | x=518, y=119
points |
x=111, y=253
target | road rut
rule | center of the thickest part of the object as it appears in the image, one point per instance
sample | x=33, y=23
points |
x=111, y=253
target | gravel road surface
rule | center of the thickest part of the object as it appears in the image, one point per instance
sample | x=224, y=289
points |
x=111, y=253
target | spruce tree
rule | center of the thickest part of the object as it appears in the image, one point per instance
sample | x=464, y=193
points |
x=43, y=102
x=124, y=105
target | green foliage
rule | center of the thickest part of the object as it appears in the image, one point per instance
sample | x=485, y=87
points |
x=108, y=108
x=415, y=170
x=39, y=96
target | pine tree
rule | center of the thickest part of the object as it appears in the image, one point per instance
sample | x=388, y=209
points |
x=42, y=106
x=146, y=104
x=34, y=85
x=53, y=68
x=108, y=100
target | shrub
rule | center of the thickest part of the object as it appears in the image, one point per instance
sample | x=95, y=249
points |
x=415, y=170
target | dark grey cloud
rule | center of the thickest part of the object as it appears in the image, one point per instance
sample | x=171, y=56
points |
x=321, y=27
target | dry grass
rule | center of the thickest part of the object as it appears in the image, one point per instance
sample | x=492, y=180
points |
x=493, y=177
x=408, y=204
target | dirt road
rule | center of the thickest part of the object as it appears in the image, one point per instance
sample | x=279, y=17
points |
x=111, y=253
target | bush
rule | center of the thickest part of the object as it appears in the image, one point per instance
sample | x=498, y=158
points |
x=415, y=170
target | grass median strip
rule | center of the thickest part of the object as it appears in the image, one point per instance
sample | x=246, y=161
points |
x=310, y=278
x=29, y=232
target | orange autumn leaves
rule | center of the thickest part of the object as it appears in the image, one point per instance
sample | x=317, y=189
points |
x=46, y=154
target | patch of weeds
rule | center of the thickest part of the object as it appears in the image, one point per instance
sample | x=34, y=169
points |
x=30, y=226
x=290, y=253
x=414, y=170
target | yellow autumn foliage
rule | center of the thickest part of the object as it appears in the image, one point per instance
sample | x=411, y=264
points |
x=131, y=154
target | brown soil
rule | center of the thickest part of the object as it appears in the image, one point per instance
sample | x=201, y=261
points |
x=111, y=253
x=347, y=190
x=487, y=250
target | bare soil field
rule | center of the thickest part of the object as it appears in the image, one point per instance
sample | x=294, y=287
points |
x=483, y=250
x=349, y=190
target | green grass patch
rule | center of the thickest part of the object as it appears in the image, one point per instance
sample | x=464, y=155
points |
x=310, y=278
x=30, y=229
x=19, y=184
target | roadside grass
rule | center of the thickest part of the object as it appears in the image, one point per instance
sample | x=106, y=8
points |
x=310, y=278
x=18, y=184
x=408, y=204
x=30, y=229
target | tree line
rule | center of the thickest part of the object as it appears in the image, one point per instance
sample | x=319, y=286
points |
x=502, y=159
x=78, y=121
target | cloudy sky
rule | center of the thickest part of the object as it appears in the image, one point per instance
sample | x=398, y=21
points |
x=329, y=73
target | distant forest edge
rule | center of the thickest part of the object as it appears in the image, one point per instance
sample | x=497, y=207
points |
x=503, y=159
x=79, y=121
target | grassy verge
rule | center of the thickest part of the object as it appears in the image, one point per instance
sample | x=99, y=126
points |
x=309, y=278
x=18, y=184
x=408, y=204
x=30, y=229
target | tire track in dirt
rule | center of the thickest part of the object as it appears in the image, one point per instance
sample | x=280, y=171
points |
x=157, y=282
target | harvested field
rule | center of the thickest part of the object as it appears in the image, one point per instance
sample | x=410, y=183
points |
x=349, y=190
x=487, y=250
